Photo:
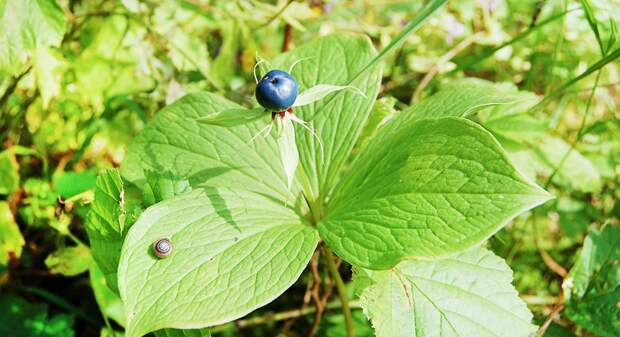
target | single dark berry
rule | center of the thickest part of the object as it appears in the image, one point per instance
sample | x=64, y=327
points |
x=277, y=90
x=162, y=248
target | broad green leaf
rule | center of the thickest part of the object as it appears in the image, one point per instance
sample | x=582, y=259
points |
x=338, y=118
x=69, y=261
x=382, y=112
x=235, y=116
x=69, y=184
x=334, y=325
x=518, y=127
x=11, y=239
x=234, y=251
x=600, y=249
x=164, y=186
x=187, y=51
x=176, y=143
x=20, y=318
x=288, y=149
x=462, y=98
x=434, y=187
x=465, y=97
x=224, y=65
x=26, y=25
x=319, y=92
x=110, y=65
x=598, y=313
x=468, y=294
x=48, y=69
x=9, y=175
x=576, y=171
x=557, y=330
x=183, y=333
x=109, y=302
x=105, y=224
x=107, y=332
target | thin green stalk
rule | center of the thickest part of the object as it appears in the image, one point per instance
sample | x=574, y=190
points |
x=279, y=316
x=589, y=11
x=580, y=132
x=612, y=56
x=558, y=45
x=515, y=39
x=75, y=239
x=61, y=302
x=278, y=13
x=342, y=290
x=399, y=39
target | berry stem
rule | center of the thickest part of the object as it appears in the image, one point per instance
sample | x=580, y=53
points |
x=342, y=290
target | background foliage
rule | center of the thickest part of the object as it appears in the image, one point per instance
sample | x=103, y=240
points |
x=79, y=79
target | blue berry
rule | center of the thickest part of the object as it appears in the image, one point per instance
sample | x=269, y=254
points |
x=277, y=90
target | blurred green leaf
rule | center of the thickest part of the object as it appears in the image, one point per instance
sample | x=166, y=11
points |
x=48, y=68
x=600, y=251
x=556, y=330
x=109, y=302
x=381, y=113
x=592, y=288
x=576, y=170
x=598, y=313
x=69, y=261
x=69, y=184
x=19, y=318
x=9, y=175
x=11, y=239
x=333, y=325
x=26, y=25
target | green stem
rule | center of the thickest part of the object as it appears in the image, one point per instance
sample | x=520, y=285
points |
x=580, y=133
x=279, y=316
x=342, y=290
x=399, y=39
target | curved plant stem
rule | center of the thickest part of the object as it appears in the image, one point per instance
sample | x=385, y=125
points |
x=277, y=317
x=342, y=290
x=580, y=133
x=441, y=62
x=399, y=39
x=278, y=13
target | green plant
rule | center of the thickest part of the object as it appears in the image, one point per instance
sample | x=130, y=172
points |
x=399, y=192
x=429, y=187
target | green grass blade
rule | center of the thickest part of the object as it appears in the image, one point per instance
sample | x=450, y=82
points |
x=61, y=302
x=411, y=27
x=610, y=57
x=514, y=40
x=589, y=11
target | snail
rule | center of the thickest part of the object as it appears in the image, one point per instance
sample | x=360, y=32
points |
x=162, y=248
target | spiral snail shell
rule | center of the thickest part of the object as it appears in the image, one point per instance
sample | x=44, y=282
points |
x=162, y=248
